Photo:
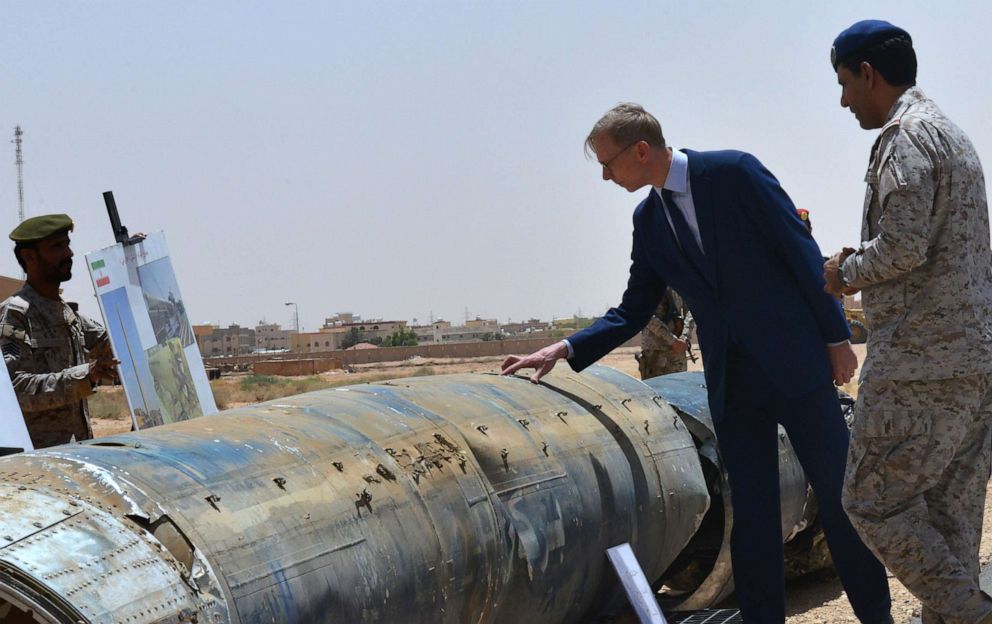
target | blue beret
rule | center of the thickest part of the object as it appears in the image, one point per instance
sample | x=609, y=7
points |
x=862, y=35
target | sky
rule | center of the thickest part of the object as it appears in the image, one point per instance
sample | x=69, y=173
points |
x=423, y=159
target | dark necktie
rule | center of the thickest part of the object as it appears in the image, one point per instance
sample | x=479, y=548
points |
x=686, y=239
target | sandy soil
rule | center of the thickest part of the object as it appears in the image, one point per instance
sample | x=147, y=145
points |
x=815, y=599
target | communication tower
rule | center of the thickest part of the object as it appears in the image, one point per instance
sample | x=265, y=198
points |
x=18, y=133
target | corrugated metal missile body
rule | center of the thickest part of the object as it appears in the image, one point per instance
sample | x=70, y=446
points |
x=466, y=498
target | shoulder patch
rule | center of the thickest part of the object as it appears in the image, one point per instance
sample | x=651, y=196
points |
x=16, y=302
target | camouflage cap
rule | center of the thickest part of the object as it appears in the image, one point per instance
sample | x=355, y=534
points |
x=37, y=228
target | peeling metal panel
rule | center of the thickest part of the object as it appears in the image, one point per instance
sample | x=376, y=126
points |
x=92, y=561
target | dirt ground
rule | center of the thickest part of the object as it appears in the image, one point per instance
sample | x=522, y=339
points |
x=815, y=599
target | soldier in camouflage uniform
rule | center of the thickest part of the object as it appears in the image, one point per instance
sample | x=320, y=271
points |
x=919, y=459
x=54, y=354
x=665, y=341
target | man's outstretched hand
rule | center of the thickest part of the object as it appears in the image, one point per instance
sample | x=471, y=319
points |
x=541, y=361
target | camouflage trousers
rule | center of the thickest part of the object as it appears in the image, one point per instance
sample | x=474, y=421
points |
x=917, y=470
x=657, y=362
x=54, y=428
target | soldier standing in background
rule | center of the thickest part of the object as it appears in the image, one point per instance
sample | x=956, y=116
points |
x=666, y=341
x=919, y=457
x=55, y=355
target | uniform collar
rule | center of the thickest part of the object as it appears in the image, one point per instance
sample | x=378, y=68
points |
x=29, y=293
x=909, y=97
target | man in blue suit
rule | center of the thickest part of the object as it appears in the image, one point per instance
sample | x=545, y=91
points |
x=719, y=228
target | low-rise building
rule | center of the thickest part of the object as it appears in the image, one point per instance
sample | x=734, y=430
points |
x=271, y=337
x=9, y=285
x=529, y=326
x=441, y=332
x=341, y=318
x=572, y=324
x=312, y=342
x=204, y=330
x=232, y=340
x=479, y=323
x=371, y=330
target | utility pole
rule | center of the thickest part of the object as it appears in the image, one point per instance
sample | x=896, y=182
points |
x=18, y=133
x=296, y=315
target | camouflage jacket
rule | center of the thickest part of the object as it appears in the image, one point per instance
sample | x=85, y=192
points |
x=45, y=346
x=658, y=335
x=924, y=265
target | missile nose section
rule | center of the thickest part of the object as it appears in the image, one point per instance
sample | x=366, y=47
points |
x=64, y=560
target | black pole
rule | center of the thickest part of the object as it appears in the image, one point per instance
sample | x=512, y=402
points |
x=120, y=232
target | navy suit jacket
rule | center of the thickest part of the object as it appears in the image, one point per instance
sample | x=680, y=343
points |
x=761, y=286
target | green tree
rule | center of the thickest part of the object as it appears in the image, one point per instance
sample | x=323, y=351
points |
x=401, y=338
x=353, y=337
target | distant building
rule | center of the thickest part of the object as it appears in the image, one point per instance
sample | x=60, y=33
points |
x=271, y=337
x=341, y=318
x=311, y=342
x=204, y=330
x=373, y=328
x=430, y=334
x=572, y=324
x=200, y=332
x=529, y=326
x=478, y=323
x=9, y=285
x=336, y=332
x=232, y=340
x=442, y=332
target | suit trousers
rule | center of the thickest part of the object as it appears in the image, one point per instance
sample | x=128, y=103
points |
x=747, y=434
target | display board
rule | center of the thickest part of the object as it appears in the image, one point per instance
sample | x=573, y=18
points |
x=161, y=368
x=14, y=436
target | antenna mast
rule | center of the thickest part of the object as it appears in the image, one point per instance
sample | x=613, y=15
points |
x=18, y=133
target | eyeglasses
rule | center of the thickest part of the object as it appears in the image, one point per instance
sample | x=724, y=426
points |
x=606, y=165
